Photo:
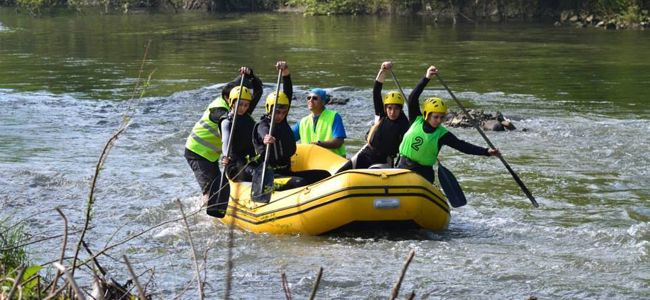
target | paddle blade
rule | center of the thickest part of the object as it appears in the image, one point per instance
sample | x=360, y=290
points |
x=451, y=187
x=219, y=196
x=262, y=187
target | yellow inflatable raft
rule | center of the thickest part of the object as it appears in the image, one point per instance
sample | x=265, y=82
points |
x=356, y=199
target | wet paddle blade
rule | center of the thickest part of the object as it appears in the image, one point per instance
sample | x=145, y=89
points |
x=218, y=201
x=262, y=187
x=451, y=187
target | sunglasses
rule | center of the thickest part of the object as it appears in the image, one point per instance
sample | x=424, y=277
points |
x=314, y=98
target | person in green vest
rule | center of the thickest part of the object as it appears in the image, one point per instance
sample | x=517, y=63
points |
x=323, y=127
x=426, y=136
x=203, y=145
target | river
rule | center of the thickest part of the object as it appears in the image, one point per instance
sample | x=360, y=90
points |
x=581, y=95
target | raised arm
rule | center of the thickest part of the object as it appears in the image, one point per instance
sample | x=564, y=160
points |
x=413, y=100
x=287, y=86
x=257, y=88
x=376, y=91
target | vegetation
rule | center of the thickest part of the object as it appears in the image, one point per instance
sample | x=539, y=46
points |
x=626, y=10
x=16, y=272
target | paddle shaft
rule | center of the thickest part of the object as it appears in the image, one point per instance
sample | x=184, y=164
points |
x=272, y=125
x=397, y=82
x=232, y=131
x=505, y=163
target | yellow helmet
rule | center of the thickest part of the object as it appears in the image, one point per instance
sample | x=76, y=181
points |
x=434, y=105
x=234, y=93
x=394, y=97
x=283, y=99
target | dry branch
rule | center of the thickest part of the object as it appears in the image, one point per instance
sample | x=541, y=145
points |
x=102, y=158
x=17, y=282
x=285, y=286
x=398, y=284
x=313, y=291
x=70, y=280
x=65, y=243
x=196, y=263
x=135, y=278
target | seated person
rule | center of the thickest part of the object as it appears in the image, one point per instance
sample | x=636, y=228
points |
x=426, y=136
x=281, y=142
x=323, y=127
x=386, y=133
x=238, y=160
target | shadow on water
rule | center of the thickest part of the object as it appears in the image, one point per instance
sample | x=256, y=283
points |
x=405, y=231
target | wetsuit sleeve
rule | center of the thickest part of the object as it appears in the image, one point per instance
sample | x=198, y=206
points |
x=217, y=113
x=257, y=91
x=376, y=99
x=261, y=130
x=338, y=130
x=225, y=136
x=451, y=140
x=287, y=87
x=413, y=102
x=296, y=131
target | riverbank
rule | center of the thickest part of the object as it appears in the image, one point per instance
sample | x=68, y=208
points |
x=597, y=13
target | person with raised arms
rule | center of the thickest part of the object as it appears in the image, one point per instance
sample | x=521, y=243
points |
x=426, y=136
x=282, y=142
x=323, y=127
x=239, y=166
x=386, y=133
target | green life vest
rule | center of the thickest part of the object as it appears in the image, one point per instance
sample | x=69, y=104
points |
x=205, y=139
x=420, y=146
x=323, y=130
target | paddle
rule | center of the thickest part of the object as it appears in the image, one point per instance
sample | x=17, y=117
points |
x=451, y=187
x=263, y=175
x=475, y=123
x=223, y=194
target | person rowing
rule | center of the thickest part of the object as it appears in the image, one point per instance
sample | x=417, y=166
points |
x=239, y=166
x=386, y=133
x=282, y=142
x=426, y=136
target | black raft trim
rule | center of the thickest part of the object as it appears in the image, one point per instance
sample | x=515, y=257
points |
x=239, y=211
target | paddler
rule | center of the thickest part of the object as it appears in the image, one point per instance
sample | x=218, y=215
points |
x=426, y=136
x=282, y=141
x=239, y=164
x=386, y=133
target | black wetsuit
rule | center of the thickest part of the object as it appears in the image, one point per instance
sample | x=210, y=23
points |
x=383, y=137
x=448, y=138
x=240, y=168
x=283, y=148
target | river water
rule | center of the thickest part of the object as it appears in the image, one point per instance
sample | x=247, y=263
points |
x=581, y=94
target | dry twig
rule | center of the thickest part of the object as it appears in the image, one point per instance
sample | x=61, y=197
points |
x=135, y=278
x=313, y=291
x=71, y=281
x=285, y=286
x=102, y=158
x=196, y=263
x=13, y=289
x=398, y=284
x=65, y=243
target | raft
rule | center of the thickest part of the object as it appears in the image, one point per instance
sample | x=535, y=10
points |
x=360, y=199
